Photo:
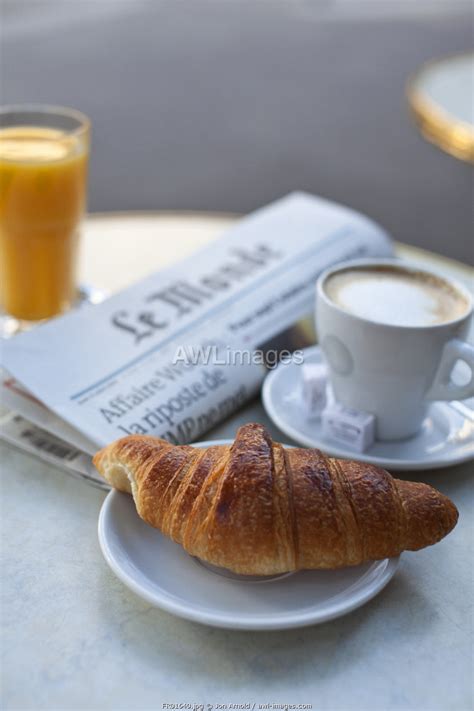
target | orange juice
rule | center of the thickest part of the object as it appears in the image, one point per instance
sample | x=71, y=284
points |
x=42, y=200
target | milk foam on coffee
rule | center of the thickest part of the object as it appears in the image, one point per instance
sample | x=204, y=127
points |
x=395, y=296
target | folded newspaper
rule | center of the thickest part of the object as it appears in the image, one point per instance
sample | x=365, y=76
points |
x=179, y=351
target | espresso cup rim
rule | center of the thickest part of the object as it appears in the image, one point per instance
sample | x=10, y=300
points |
x=410, y=267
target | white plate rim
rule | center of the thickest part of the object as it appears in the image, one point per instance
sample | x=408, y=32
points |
x=333, y=450
x=242, y=622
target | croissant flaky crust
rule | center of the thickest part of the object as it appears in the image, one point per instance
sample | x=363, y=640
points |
x=259, y=508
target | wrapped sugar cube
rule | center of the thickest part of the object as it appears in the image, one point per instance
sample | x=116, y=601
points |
x=313, y=387
x=353, y=428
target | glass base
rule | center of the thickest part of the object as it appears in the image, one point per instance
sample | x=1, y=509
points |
x=11, y=326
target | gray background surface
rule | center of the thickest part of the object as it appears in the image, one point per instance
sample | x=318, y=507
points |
x=227, y=104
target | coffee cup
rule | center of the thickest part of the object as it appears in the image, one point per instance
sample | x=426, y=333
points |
x=391, y=334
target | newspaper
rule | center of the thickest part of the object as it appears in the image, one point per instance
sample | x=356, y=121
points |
x=179, y=351
x=45, y=446
x=17, y=399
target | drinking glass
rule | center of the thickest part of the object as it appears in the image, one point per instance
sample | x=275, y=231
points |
x=43, y=180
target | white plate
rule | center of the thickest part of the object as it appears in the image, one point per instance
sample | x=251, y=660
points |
x=164, y=575
x=446, y=437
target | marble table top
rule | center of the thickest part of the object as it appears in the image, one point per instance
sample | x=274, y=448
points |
x=75, y=638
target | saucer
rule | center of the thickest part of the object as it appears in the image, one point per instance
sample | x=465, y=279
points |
x=163, y=574
x=446, y=436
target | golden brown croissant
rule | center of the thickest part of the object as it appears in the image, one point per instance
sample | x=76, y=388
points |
x=259, y=508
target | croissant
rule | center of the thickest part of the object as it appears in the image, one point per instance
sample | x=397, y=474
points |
x=258, y=508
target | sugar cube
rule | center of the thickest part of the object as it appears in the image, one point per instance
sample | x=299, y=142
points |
x=353, y=428
x=314, y=382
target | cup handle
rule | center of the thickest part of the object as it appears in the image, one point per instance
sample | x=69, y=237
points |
x=443, y=387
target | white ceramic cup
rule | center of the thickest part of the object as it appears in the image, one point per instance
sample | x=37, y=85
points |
x=392, y=371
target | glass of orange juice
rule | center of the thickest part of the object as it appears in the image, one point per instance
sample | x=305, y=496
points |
x=43, y=179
